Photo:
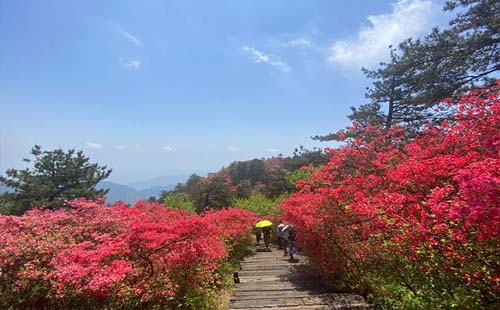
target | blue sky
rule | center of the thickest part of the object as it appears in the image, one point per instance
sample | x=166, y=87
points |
x=155, y=88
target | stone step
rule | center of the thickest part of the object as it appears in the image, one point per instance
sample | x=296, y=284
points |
x=333, y=298
x=272, y=280
x=276, y=302
x=268, y=286
x=278, y=255
x=269, y=267
x=271, y=259
x=262, y=279
x=284, y=261
x=274, y=262
x=295, y=301
x=257, y=273
x=313, y=307
x=266, y=255
x=249, y=295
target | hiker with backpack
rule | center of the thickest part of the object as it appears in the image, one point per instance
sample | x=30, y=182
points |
x=292, y=241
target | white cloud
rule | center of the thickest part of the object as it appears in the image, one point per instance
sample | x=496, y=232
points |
x=133, y=64
x=130, y=37
x=233, y=148
x=408, y=18
x=272, y=150
x=301, y=42
x=167, y=148
x=93, y=145
x=119, y=147
x=273, y=61
x=127, y=35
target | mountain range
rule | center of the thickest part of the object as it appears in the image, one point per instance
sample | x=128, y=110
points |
x=153, y=182
x=128, y=194
x=134, y=191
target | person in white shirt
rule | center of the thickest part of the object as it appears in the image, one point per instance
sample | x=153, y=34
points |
x=285, y=231
x=279, y=231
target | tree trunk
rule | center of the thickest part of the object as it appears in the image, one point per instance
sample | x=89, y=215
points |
x=388, y=122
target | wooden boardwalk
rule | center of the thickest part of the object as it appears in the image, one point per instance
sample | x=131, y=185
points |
x=268, y=280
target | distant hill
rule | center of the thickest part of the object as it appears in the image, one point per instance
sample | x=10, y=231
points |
x=128, y=194
x=273, y=178
x=155, y=182
x=120, y=192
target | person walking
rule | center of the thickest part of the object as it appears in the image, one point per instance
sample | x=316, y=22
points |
x=258, y=234
x=280, y=233
x=292, y=242
x=266, y=231
x=286, y=231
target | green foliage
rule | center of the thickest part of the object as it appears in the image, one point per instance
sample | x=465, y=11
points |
x=56, y=176
x=201, y=194
x=179, y=201
x=253, y=171
x=300, y=174
x=305, y=157
x=257, y=171
x=276, y=184
x=391, y=290
x=443, y=64
x=260, y=204
x=214, y=194
x=243, y=189
x=191, y=184
x=365, y=115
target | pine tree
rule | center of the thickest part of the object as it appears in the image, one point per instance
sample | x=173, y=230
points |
x=56, y=176
x=423, y=72
x=446, y=63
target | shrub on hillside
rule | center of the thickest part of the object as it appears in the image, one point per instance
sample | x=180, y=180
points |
x=179, y=201
x=235, y=227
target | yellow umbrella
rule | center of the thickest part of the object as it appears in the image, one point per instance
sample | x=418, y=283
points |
x=263, y=223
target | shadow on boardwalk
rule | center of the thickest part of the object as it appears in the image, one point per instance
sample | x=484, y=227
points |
x=269, y=280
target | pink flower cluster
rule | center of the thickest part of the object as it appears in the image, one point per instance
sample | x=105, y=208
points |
x=113, y=255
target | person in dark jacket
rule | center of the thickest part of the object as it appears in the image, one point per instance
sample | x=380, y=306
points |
x=258, y=234
x=292, y=241
x=266, y=231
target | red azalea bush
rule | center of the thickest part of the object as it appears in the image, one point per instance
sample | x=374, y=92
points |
x=236, y=227
x=95, y=256
x=416, y=221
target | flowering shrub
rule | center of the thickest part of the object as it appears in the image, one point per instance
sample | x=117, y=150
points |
x=417, y=222
x=235, y=227
x=95, y=256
